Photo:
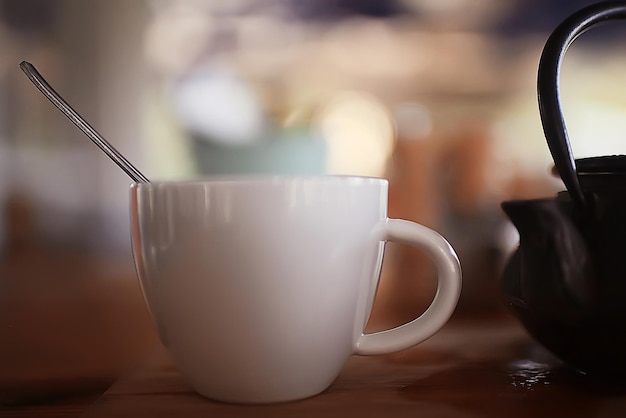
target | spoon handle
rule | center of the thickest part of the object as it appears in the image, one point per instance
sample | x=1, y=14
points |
x=47, y=90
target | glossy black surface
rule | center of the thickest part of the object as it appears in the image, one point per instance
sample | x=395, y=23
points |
x=567, y=281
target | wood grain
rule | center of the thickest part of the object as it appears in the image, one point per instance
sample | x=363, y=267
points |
x=468, y=369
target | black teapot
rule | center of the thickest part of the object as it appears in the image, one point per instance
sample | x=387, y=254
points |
x=566, y=282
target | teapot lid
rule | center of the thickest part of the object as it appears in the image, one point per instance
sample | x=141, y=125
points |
x=607, y=164
x=602, y=173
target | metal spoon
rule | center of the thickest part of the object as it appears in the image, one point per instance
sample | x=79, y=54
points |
x=47, y=90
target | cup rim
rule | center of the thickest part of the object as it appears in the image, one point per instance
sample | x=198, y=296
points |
x=261, y=178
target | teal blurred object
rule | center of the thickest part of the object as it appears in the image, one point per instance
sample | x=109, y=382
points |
x=290, y=152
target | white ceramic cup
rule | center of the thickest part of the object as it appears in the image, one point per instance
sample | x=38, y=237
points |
x=261, y=287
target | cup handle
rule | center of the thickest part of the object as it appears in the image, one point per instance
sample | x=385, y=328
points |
x=444, y=302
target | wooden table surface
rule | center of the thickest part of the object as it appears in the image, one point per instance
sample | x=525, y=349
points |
x=469, y=369
x=472, y=368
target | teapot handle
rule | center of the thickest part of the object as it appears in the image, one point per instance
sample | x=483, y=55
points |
x=548, y=88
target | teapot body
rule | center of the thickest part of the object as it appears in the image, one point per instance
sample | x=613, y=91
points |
x=566, y=282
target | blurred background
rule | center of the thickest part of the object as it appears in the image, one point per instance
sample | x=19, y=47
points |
x=438, y=96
